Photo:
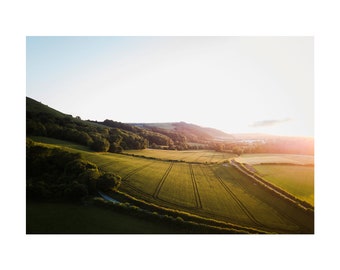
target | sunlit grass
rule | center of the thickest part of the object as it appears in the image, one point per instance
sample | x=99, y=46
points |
x=275, y=158
x=297, y=180
x=61, y=143
x=201, y=156
x=178, y=187
x=197, y=188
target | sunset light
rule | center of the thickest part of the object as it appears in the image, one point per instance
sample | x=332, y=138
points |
x=171, y=134
x=235, y=84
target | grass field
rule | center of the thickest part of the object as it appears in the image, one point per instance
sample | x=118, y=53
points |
x=60, y=143
x=276, y=158
x=297, y=180
x=74, y=219
x=216, y=191
x=197, y=156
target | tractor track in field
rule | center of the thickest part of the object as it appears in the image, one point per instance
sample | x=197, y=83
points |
x=139, y=191
x=279, y=211
x=106, y=164
x=205, y=174
x=194, y=184
x=161, y=182
x=229, y=191
x=200, y=211
x=237, y=200
x=146, y=195
x=129, y=174
x=158, y=189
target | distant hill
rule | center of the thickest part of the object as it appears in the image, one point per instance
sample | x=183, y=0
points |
x=114, y=136
x=193, y=133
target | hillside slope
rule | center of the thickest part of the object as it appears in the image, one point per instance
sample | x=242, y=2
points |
x=42, y=120
x=109, y=135
x=33, y=106
x=115, y=136
x=193, y=133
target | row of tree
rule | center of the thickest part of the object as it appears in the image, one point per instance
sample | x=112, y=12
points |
x=104, y=136
x=156, y=137
x=97, y=137
x=108, y=135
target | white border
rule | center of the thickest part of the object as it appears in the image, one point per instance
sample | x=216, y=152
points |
x=240, y=18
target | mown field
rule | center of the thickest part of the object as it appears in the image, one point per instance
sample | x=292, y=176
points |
x=216, y=191
x=297, y=180
x=197, y=156
x=276, y=158
x=292, y=173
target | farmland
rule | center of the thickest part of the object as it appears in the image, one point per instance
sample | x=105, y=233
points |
x=292, y=173
x=276, y=158
x=200, y=156
x=215, y=191
x=297, y=180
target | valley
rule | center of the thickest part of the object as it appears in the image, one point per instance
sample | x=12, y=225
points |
x=188, y=178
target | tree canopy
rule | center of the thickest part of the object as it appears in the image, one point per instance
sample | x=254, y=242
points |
x=56, y=174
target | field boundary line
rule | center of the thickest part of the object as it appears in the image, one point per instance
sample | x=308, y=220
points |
x=282, y=193
x=194, y=184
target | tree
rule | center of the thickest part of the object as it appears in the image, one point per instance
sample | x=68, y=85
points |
x=108, y=182
x=90, y=178
x=78, y=166
x=84, y=138
x=100, y=144
x=35, y=128
x=56, y=174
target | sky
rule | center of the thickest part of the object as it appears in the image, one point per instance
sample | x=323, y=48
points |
x=235, y=84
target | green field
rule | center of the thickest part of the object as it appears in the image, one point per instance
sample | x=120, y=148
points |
x=297, y=180
x=216, y=191
x=73, y=218
x=197, y=156
x=276, y=158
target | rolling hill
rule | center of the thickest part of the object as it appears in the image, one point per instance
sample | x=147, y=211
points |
x=114, y=136
x=194, y=133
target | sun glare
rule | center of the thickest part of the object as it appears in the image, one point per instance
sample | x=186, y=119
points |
x=237, y=84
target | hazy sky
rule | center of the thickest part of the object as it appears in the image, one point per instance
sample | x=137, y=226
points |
x=236, y=84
